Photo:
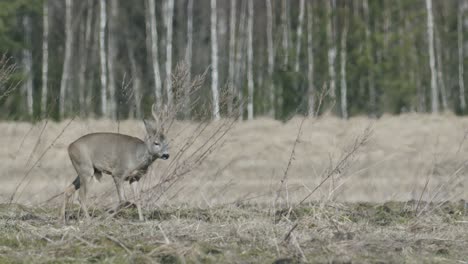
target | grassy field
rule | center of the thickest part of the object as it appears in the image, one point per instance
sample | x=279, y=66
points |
x=392, y=232
x=390, y=190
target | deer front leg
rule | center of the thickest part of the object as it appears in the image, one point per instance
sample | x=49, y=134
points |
x=118, y=180
x=137, y=196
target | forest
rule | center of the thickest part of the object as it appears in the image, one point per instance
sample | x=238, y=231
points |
x=114, y=58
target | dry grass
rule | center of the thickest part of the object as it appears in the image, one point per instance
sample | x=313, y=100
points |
x=225, y=211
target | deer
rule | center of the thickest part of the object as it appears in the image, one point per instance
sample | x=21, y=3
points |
x=124, y=157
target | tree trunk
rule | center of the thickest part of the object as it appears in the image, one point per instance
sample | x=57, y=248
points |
x=64, y=83
x=27, y=64
x=240, y=59
x=250, y=82
x=84, y=48
x=299, y=35
x=310, y=62
x=232, y=53
x=430, y=39
x=461, y=57
x=285, y=26
x=136, y=77
x=271, y=59
x=214, y=62
x=45, y=57
x=331, y=51
x=344, y=102
x=154, y=52
x=102, y=55
x=188, y=55
x=370, y=59
x=169, y=17
x=440, y=75
x=111, y=58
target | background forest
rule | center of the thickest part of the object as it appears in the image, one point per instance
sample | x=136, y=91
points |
x=112, y=58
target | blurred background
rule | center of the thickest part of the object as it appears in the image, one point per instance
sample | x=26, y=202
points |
x=112, y=58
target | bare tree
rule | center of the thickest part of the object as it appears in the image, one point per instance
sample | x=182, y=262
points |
x=462, y=5
x=271, y=58
x=169, y=16
x=188, y=54
x=250, y=82
x=240, y=57
x=45, y=56
x=136, y=76
x=440, y=75
x=84, y=47
x=430, y=39
x=102, y=55
x=154, y=52
x=310, y=62
x=111, y=58
x=232, y=54
x=66, y=72
x=331, y=50
x=285, y=27
x=214, y=62
x=369, y=55
x=299, y=35
x=27, y=64
x=344, y=90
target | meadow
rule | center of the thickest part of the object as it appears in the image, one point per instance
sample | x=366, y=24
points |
x=323, y=190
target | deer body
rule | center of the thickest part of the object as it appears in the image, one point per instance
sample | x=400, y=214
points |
x=124, y=157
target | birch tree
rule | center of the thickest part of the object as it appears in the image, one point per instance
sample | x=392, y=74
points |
x=310, y=62
x=331, y=50
x=232, y=54
x=271, y=58
x=111, y=58
x=136, y=77
x=84, y=47
x=169, y=16
x=440, y=75
x=250, y=82
x=344, y=90
x=462, y=5
x=214, y=62
x=27, y=64
x=154, y=52
x=45, y=56
x=188, y=54
x=285, y=27
x=102, y=55
x=299, y=35
x=370, y=59
x=64, y=83
x=430, y=40
x=240, y=59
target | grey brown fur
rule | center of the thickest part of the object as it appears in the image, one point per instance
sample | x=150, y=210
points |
x=124, y=157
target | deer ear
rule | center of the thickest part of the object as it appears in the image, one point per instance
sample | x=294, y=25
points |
x=150, y=127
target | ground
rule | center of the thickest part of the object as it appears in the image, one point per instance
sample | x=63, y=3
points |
x=392, y=232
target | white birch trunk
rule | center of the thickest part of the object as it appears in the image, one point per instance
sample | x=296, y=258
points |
x=440, y=75
x=250, y=82
x=154, y=53
x=461, y=83
x=169, y=18
x=232, y=54
x=430, y=39
x=271, y=59
x=27, y=64
x=285, y=26
x=214, y=62
x=299, y=35
x=331, y=51
x=65, y=81
x=344, y=90
x=45, y=57
x=188, y=55
x=310, y=63
x=85, y=47
x=102, y=55
x=111, y=58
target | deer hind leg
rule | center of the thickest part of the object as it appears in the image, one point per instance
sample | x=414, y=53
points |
x=68, y=194
x=82, y=194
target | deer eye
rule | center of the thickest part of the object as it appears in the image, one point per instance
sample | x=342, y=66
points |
x=156, y=143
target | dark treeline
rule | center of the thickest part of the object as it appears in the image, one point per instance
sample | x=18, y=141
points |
x=112, y=57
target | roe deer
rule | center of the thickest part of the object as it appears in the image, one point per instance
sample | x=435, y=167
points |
x=124, y=157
